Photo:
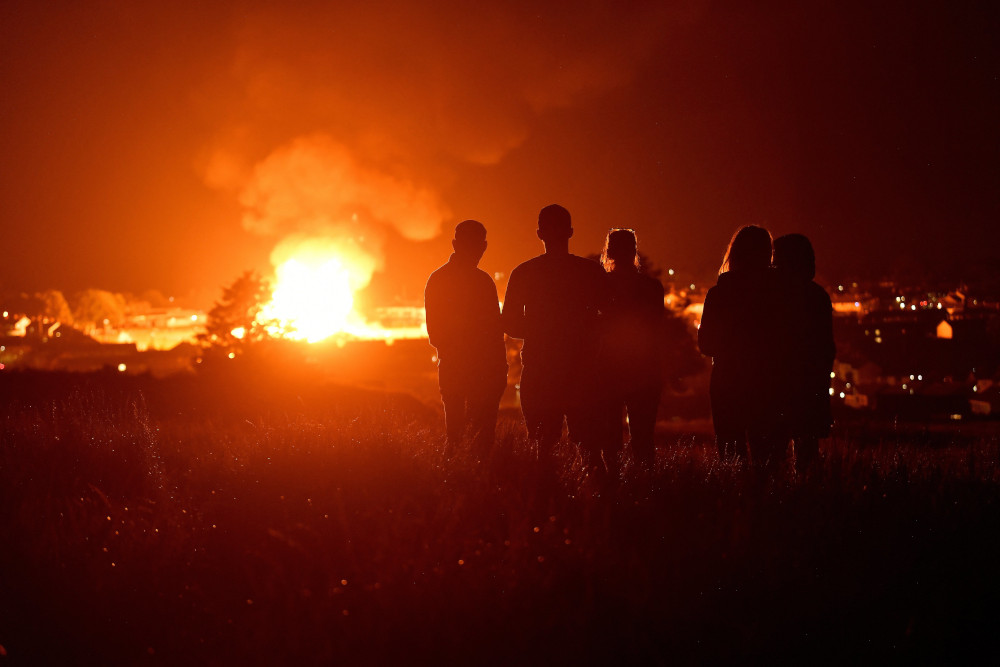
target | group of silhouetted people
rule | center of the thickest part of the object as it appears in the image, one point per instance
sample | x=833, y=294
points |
x=592, y=345
x=769, y=330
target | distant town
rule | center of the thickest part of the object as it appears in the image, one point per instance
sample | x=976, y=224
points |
x=902, y=350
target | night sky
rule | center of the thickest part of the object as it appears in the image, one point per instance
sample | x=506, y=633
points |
x=174, y=147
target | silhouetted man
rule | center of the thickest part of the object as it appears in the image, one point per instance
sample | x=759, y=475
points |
x=552, y=302
x=463, y=323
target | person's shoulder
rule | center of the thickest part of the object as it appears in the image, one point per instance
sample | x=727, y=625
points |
x=585, y=264
x=724, y=284
x=650, y=281
x=528, y=264
x=817, y=293
x=726, y=279
x=482, y=276
x=438, y=274
x=585, y=261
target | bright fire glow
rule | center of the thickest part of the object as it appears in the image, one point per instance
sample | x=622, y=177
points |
x=312, y=297
x=313, y=293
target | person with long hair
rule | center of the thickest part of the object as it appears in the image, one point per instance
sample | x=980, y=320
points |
x=738, y=331
x=807, y=349
x=630, y=359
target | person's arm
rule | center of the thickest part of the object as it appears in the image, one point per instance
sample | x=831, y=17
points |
x=829, y=346
x=709, y=331
x=495, y=315
x=513, y=306
x=435, y=305
x=656, y=307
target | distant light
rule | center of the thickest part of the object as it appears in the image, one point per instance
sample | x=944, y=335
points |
x=920, y=377
x=840, y=288
x=848, y=385
x=903, y=306
x=669, y=272
x=911, y=392
x=878, y=332
x=878, y=340
x=831, y=391
x=1, y=367
x=857, y=304
x=842, y=394
x=913, y=377
x=6, y=314
x=194, y=318
x=904, y=385
x=939, y=305
x=956, y=417
x=692, y=285
x=121, y=368
x=232, y=355
x=913, y=307
x=975, y=387
x=832, y=375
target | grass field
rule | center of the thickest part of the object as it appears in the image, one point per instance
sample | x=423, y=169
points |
x=211, y=520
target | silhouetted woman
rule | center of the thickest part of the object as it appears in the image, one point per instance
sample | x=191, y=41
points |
x=631, y=346
x=807, y=352
x=737, y=331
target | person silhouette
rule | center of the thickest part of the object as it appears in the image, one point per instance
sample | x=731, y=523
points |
x=631, y=350
x=552, y=303
x=463, y=323
x=807, y=350
x=738, y=331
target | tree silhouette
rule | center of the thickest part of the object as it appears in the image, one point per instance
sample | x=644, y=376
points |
x=56, y=309
x=96, y=308
x=235, y=321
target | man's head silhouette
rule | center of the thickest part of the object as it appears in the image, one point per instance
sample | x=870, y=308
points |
x=555, y=226
x=470, y=240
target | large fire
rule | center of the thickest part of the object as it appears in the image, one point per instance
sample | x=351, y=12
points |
x=313, y=294
x=312, y=298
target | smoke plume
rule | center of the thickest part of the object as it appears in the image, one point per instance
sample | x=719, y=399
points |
x=316, y=197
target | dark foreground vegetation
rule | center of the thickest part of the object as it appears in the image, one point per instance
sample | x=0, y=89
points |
x=213, y=520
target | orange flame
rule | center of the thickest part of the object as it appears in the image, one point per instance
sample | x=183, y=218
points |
x=313, y=296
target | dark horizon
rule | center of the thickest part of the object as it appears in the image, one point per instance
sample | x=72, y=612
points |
x=145, y=147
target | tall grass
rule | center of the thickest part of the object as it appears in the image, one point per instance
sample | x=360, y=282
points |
x=335, y=528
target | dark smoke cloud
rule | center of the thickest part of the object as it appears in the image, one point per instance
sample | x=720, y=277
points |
x=343, y=122
x=413, y=89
